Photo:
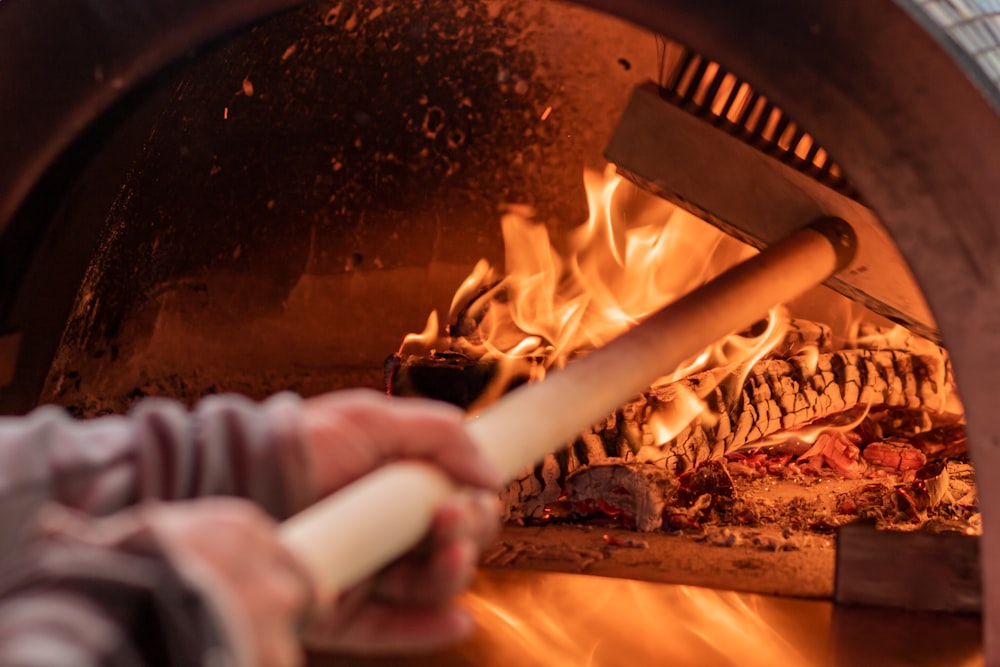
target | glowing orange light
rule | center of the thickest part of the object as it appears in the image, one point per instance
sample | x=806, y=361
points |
x=561, y=296
x=551, y=619
x=423, y=341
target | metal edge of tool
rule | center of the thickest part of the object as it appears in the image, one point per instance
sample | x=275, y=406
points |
x=758, y=199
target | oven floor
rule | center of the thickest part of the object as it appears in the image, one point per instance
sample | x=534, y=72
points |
x=763, y=562
x=537, y=618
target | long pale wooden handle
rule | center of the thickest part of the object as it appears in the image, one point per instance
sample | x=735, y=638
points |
x=355, y=532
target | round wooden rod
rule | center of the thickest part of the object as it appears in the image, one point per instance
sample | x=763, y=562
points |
x=354, y=533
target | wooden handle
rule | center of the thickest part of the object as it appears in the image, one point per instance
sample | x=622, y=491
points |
x=355, y=532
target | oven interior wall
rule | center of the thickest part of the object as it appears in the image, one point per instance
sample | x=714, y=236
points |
x=315, y=186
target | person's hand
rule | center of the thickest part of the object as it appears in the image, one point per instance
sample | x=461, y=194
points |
x=351, y=433
x=409, y=606
x=229, y=549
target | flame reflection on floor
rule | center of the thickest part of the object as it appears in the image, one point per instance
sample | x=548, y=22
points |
x=596, y=622
x=544, y=619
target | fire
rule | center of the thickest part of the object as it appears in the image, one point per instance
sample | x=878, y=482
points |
x=680, y=412
x=562, y=296
x=425, y=339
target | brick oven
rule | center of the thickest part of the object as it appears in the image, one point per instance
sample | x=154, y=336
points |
x=201, y=197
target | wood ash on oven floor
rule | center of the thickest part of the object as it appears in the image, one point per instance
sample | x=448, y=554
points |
x=761, y=520
x=886, y=469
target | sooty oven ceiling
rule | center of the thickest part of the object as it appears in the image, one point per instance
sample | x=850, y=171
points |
x=311, y=189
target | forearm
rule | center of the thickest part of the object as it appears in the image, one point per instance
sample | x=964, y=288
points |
x=227, y=445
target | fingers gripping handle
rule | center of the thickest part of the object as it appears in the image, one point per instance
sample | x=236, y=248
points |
x=366, y=525
x=360, y=529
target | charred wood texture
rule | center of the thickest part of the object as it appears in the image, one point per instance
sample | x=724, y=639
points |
x=903, y=380
x=781, y=395
x=777, y=395
x=803, y=335
x=636, y=492
x=446, y=376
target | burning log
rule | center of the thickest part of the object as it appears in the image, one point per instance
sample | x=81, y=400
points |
x=634, y=491
x=784, y=394
x=447, y=376
x=777, y=395
x=527, y=422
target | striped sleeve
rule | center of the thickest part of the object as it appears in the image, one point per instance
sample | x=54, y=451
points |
x=67, y=602
x=226, y=445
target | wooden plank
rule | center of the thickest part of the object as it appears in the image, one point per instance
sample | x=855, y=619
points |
x=919, y=570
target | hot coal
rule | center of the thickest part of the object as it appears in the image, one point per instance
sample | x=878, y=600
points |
x=869, y=419
x=635, y=493
x=732, y=493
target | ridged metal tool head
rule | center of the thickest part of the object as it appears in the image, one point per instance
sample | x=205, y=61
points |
x=708, y=142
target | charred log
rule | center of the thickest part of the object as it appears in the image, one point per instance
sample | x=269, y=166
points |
x=778, y=395
x=635, y=492
x=895, y=392
x=446, y=376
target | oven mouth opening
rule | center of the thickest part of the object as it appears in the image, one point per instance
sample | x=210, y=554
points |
x=262, y=283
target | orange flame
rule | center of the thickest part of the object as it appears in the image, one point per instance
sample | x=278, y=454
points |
x=669, y=421
x=562, y=297
x=423, y=341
